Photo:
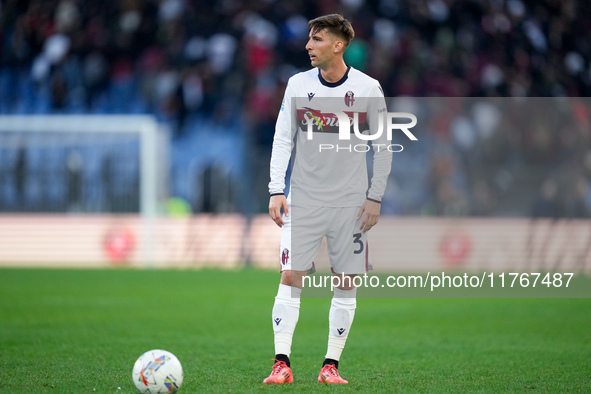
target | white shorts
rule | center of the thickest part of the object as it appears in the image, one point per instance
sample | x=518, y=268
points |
x=302, y=235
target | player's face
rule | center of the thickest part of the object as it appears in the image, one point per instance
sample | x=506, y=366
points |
x=322, y=48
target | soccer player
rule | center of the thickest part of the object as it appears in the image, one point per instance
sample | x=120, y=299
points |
x=329, y=195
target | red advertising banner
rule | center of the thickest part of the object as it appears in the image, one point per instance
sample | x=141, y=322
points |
x=228, y=241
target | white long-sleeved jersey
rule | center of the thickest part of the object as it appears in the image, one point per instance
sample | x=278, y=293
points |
x=326, y=170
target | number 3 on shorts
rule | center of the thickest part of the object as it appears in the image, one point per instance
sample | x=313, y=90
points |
x=357, y=240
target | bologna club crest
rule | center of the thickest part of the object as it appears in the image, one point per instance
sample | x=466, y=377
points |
x=285, y=256
x=349, y=99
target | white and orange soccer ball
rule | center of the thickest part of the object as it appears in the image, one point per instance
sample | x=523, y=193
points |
x=157, y=371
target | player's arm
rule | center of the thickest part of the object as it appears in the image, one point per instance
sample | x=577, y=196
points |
x=280, y=155
x=382, y=162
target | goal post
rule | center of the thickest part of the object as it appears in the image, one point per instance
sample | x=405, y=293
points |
x=152, y=153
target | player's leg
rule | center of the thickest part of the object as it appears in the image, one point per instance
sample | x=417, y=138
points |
x=286, y=311
x=340, y=320
x=286, y=308
x=347, y=248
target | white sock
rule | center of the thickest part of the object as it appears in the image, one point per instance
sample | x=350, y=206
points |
x=340, y=318
x=286, y=312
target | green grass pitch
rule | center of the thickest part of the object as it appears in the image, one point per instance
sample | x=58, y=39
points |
x=74, y=331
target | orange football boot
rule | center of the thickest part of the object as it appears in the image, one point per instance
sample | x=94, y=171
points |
x=281, y=374
x=329, y=374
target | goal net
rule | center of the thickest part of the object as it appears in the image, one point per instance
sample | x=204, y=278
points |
x=84, y=164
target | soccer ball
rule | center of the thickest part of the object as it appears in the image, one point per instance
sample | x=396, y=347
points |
x=157, y=371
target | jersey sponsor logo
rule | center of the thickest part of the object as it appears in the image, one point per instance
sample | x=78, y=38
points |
x=317, y=116
x=284, y=257
x=311, y=96
x=349, y=98
x=327, y=122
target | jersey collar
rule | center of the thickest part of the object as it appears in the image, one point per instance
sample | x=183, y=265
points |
x=334, y=84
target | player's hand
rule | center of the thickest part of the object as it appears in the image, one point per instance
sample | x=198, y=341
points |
x=275, y=204
x=370, y=211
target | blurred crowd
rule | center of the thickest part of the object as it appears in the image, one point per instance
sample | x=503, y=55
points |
x=230, y=59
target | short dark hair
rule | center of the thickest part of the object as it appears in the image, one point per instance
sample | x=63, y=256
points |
x=334, y=24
